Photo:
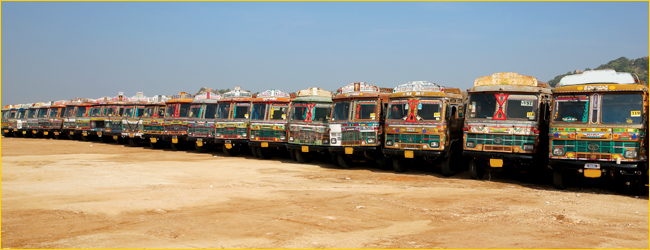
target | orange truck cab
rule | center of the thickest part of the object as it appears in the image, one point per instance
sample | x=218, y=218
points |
x=424, y=120
x=232, y=120
x=357, y=124
x=268, y=123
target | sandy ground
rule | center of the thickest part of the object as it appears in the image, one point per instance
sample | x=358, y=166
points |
x=74, y=194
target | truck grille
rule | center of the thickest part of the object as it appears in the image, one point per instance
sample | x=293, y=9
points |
x=268, y=135
x=500, y=140
x=307, y=137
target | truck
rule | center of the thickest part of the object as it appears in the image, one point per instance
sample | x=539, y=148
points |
x=232, y=121
x=425, y=121
x=177, y=111
x=506, y=123
x=309, y=118
x=357, y=124
x=201, y=121
x=599, y=129
x=268, y=123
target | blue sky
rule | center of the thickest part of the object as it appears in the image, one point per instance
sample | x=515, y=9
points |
x=62, y=50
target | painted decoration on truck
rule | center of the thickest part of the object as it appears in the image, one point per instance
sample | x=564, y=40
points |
x=414, y=86
x=357, y=87
x=506, y=78
x=314, y=91
x=273, y=93
x=237, y=92
x=599, y=76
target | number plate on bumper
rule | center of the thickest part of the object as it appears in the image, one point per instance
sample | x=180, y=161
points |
x=496, y=163
x=592, y=170
x=408, y=154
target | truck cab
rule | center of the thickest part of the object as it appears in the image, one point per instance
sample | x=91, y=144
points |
x=357, y=124
x=424, y=120
x=233, y=120
x=309, y=118
x=506, y=124
x=54, y=123
x=599, y=128
x=177, y=112
x=268, y=123
x=153, y=121
x=201, y=121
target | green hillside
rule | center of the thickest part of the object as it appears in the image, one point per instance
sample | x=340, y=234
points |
x=622, y=64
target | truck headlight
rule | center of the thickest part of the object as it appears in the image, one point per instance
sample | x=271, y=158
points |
x=558, y=151
x=326, y=141
x=470, y=144
x=291, y=138
x=218, y=134
x=252, y=137
x=389, y=143
x=434, y=144
x=333, y=141
x=528, y=147
x=244, y=134
x=631, y=154
x=282, y=137
x=371, y=140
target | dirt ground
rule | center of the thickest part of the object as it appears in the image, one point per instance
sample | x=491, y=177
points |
x=75, y=194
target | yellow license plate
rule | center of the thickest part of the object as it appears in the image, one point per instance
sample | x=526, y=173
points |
x=228, y=145
x=15, y=130
x=199, y=143
x=24, y=132
x=349, y=151
x=71, y=132
x=99, y=133
x=115, y=137
x=84, y=134
x=265, y=144
x=153, y=140
x=174, y=140
x=305, y=149
x=56, y=133
x=496, y=163
x=592, y=173
x=131, y=135
x=34, y=132
x=6, y=130
x=408, y=154
x=46, y=133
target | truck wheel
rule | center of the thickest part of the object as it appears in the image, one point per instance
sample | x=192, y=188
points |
x=559, y=179
x=264, y=153
x=302, y=157
x=345, y=161
x=476, y=171
x=254, y=152
x=335, y=160
x=201, y=149
x=229, y=152
x=385, y=162
x=132, y=142
x=104, y=139
x=399, y=164
x=85, y=138
x=292, y=154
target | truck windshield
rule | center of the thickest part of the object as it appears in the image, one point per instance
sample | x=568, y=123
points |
x=321, y=113
x=366, y=110
x=127, y=111
x=195, y=111
x=183, y=110
x=139, y=111
x=95, y=111
x=571, y=109
x=259, y=111
x=521, y=107
x=54, y=113
x=169, y=111
x=278, y=112
x=341, y=111
x=482, y=105
x=298, y=113
x=69, y=112
x=241, y=110
x=210, y=111
x=42, y=113
x=112, y=111
x=223, y=110
x=622, y=108
x=398, y=109
x=149, y=111
x=429, y=109
x=31, y=113
x=12, y=115
x=81, y=111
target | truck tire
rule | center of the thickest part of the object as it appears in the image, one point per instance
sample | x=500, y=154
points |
x=345, y=161
x=264, y=153
x=229, y=152
x=476, y=170
x=178, y=146
x=399, y=164
x=302, y=157
x=335, y=160
x=201, y=149
x=447, y=167
x=559, y=179
x=132, y=142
